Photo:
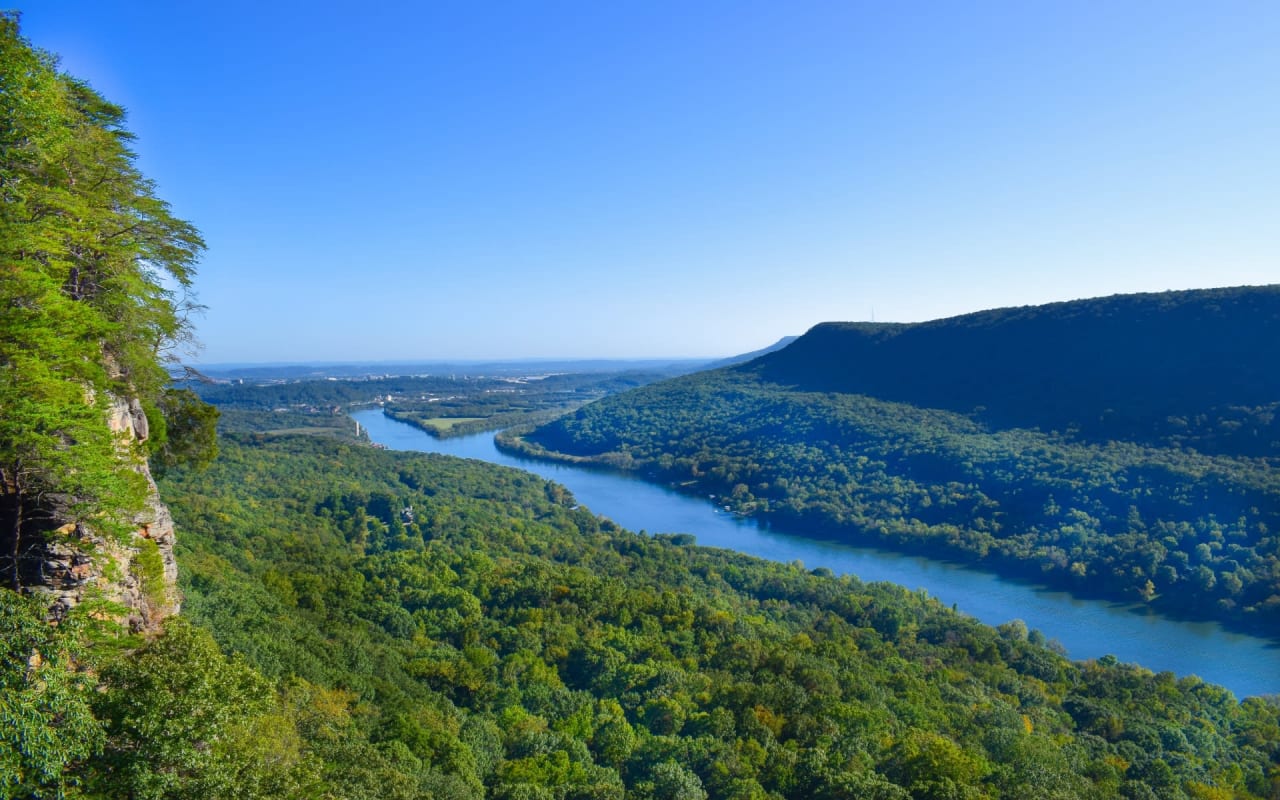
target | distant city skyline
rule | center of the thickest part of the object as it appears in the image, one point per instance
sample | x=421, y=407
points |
x=484, y=181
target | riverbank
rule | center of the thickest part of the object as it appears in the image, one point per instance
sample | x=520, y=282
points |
x=452, y=427
x=816, y=525
x=1086, y=629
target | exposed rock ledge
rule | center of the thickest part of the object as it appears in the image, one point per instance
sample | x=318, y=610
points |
x=82, y=563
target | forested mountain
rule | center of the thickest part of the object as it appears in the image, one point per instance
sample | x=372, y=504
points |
x=94, y=271
x=1090, y=454
x=1195, y=367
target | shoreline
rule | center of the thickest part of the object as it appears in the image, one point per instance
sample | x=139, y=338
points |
x=1002, y=566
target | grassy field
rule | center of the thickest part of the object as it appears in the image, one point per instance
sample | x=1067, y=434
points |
x=444, y=424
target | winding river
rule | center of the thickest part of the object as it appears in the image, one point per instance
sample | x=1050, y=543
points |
x=1246, y=665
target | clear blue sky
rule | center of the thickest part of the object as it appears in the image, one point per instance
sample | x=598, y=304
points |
x=433, y=180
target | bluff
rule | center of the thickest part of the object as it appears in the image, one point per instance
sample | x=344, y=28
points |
x=68, y=560
x=95, y=275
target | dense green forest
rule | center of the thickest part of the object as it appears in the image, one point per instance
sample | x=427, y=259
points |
x=434, y=626
x=1183, y=513
x=364, y=623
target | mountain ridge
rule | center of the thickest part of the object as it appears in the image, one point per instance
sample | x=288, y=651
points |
x=1102, y=366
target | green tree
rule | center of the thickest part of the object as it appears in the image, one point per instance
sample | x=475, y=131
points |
x=184, y=721
x=184, y=432
x=95, y=275
x=674, y=782
x=933, y=767
x=45, y=719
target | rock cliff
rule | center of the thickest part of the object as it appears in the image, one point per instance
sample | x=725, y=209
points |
x=138, y=572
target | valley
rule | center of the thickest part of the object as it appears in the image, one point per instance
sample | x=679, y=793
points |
x=1086, y=629
x=1027, y=552
x=1081, y=480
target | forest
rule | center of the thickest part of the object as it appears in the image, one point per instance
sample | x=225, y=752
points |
x=436, y=627
x=359, y=623
x=364, y=623
x=1179, y=512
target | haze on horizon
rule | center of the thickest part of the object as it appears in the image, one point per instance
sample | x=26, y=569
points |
x=449, y=181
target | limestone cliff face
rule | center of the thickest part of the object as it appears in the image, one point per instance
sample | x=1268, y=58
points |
x=139, y=573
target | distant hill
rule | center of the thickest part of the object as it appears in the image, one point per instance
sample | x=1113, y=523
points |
x=754, y=354
x=273, y=373
x=1127, y=366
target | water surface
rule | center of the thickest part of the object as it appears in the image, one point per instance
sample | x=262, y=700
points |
x=1247, y=665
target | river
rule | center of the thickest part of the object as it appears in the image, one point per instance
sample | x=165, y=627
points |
x=1247, y=665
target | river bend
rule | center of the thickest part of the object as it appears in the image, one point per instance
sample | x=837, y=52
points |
x=1247, y=665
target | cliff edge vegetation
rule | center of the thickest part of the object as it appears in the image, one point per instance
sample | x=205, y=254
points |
x=95, y=273
x=94, y=280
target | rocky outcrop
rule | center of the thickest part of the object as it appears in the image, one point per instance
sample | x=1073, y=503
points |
x=138, y=572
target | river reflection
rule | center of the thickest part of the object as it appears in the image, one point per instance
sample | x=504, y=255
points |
x=1246, y=665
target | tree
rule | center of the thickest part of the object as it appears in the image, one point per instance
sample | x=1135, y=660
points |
x=674, y=782
x=45, y=718
x=189, y=434
x=184, y=721
x=94, y=280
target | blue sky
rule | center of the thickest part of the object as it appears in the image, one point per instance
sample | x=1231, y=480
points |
x=471, y=180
